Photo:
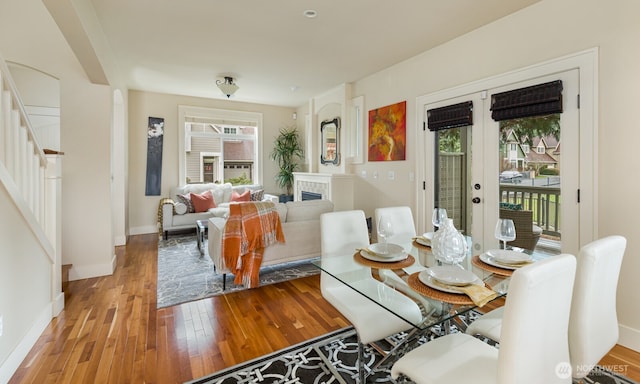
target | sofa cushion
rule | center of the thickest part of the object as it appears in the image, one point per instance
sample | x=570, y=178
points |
x=186, y=200
x=220, y=211
x=221, y=193
x=282, y=211
x=307, y=210
x=202, y=202
x=190, y=219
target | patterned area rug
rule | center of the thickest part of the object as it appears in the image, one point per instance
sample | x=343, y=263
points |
x=185, y=275
x=332, y=358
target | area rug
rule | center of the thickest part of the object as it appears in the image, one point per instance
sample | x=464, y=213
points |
x=332, y=359
x=185, y=275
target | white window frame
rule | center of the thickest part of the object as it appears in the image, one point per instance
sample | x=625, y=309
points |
x=251, y=118
x=587, y=64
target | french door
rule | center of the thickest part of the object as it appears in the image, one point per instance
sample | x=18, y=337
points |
x=540, y=166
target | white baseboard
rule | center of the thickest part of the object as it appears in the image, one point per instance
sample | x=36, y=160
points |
x=78, y=272
x=58, y=304
x=16, y=357
x=629, y=337
x=143, y=230
x=120, y=240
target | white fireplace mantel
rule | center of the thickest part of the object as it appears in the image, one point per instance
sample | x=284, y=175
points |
x=332, y=186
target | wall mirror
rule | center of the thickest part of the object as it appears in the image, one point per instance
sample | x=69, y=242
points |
x=330, y=150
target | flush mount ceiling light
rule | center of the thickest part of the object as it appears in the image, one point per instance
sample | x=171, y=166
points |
x=228, y=87
x=310, y=13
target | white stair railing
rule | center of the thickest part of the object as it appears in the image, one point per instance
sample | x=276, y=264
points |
x=23, y=164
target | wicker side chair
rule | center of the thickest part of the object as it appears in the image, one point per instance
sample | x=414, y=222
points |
x=527, y=234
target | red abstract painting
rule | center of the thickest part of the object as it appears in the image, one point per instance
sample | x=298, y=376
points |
x=388, y=132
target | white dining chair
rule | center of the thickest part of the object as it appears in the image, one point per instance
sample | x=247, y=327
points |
x=533, y=346
x=341, y=234
x=404, y=230
x=593, y=328
x=593, y=325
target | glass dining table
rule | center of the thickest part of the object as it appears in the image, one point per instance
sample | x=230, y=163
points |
x=439, y=304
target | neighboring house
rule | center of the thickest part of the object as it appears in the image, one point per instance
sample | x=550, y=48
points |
x=514, y=155
x=545, y=152
x=517, y=155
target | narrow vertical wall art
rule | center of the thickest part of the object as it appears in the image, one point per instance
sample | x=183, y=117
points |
x=155, y=134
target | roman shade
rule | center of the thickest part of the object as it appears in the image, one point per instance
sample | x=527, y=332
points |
x=536, y=100
x=451, y=116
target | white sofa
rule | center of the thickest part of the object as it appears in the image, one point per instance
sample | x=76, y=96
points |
x=171, y=216
x=300, y=224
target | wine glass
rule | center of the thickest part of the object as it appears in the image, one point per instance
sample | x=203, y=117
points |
x=438, y=217
x=385, y=230
x=505, y=231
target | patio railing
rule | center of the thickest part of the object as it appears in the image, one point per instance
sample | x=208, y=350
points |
x=544, y=201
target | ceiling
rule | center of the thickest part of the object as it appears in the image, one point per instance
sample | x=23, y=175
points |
x=276, y=55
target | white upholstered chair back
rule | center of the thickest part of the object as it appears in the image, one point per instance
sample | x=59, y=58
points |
x=534, y=339
x=593, y=328
x=401, y=218
x=341, y=233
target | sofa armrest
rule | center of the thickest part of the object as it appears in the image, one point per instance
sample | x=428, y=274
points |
x=214, y=243
x=271, y=198
x=167, y=214
x=165, y=209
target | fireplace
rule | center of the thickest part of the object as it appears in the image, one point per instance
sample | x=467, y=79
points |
x=337, y=188
x=311, y=196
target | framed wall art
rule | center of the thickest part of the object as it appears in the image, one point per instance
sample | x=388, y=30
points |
x=155, y=134
x=388, y=132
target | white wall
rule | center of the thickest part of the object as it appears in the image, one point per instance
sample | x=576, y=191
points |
x=544, y=31
x=29, y=36
x=143, y=209
x=25, y=285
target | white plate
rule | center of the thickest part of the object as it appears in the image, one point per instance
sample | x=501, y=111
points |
x=485, y=257
x=385, y=259
x=386, y=250
x=452, y=275
x=425, y=239
x=507, y=256
x=429, y=281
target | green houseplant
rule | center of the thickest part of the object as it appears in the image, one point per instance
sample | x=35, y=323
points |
x=287, y=150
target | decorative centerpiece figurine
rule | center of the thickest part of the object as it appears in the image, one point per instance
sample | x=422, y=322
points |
x=448, y=245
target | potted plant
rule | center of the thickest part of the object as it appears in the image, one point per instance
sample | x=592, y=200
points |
x=287, y=150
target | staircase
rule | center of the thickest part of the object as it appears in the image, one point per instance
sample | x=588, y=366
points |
x=31, y=178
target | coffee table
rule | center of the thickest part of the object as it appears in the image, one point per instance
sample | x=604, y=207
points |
x=202, y=227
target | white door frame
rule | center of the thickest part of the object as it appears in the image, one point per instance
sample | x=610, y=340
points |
x=587, y=64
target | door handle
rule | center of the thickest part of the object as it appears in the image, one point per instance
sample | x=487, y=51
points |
x=475, y=200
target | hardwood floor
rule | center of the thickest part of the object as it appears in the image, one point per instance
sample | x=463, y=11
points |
x=111, y=332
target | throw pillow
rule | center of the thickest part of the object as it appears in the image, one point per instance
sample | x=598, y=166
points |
x=202, y=202
x=180, y=208
x=511, y=206
x=186, y=200
x=257, y=195
x=245, y=196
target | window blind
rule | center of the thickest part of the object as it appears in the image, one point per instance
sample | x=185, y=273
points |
x=451, y=116
x=536, y=100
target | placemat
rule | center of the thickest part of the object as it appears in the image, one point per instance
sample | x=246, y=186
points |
x=475, y=260
x=421, y=247
x=382, y=265
x=452, y=298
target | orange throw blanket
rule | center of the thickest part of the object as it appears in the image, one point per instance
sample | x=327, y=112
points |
x=250, y=228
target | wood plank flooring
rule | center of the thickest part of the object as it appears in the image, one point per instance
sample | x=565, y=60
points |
x=111, y=332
